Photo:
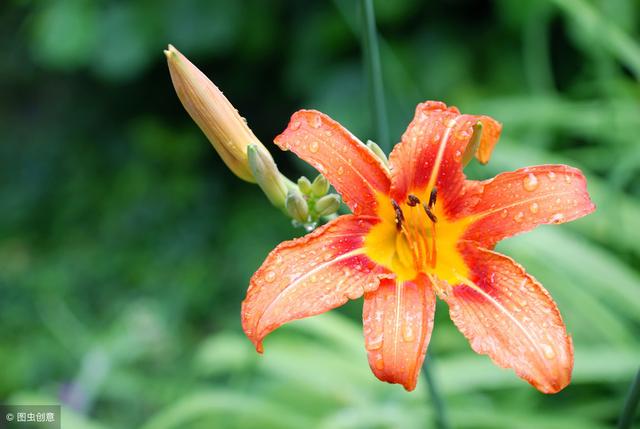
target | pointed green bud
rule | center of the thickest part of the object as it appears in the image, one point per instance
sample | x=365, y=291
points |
x=474, y=143
x=377, y=151
x=327, y=205
x=304, y=185
x=320, y=186
x=297, y=206
x=266, y=173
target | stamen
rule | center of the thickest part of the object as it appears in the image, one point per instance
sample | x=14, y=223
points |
x=427, y=210
x=412, y=200
x=432, y=197
x=399, y=215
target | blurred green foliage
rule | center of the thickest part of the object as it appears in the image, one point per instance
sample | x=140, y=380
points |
x=126, y=246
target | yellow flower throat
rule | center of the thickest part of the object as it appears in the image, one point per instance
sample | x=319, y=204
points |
x=416, y=237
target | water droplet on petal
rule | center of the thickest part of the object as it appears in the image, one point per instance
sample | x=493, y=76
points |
x=504, y=213
x=551, y=175
x=374, y=343
x=313, y=146
x=316, y=121
x=567, y=178
x=270, y=276
x=379, y=361
x=557, y=218
x=295, y=125
x=407, y=333
x=548, y=351
x=340, y=170
x=534, y=207
x=530, y=182
x=518, y=217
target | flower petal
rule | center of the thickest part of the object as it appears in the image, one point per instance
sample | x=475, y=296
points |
x=356, y=173
x=431, y=149
x=397, y=320
x=308, y=276
x=518, y=201
x=506, y=314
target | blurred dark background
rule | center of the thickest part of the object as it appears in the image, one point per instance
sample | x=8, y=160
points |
x=126, y=245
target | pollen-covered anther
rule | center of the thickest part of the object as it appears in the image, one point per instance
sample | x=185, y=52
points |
x=433, y=196
x=399, y=214
x=412, y=200
x=429, y=213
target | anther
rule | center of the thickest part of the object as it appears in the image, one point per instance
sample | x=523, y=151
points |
x=412, y=200
x=433, y=196
x=399, y=215
x=427, y=210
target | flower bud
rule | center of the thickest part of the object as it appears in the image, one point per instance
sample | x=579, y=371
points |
x=320, y=186
x=304, y=185
x=217, y=118
x=297, y=206
x=264, y=170
x=377, y=151
x=327, y=205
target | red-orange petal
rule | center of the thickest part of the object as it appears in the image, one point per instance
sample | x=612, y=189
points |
x=506, y=314
x=518, y=201
x=397, y=320
x=433, y=146
x=349, y=165
x=308, y=276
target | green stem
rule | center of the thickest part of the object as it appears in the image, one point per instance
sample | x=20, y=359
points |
x=630, y=404
x=374, y=72
x=441, y=421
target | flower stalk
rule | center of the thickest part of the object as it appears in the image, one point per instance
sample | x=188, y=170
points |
x=374, y=73
x=630, y=404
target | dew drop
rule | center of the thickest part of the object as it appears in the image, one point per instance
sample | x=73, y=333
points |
x=458, y=155
x=379, y=361
x=551, y=175
x=341, y=170
x=548, y=351
x=557, y=218
x=567, y=178
x=407, y=333
x=374, y=343
x=316, y=121
x=504, y=213
x=534, y=207
x=530, y=182
x=518, y=217
x=295, y=125
x=270, y=276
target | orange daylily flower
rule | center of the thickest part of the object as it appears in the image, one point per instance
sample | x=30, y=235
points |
x=420, y=228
